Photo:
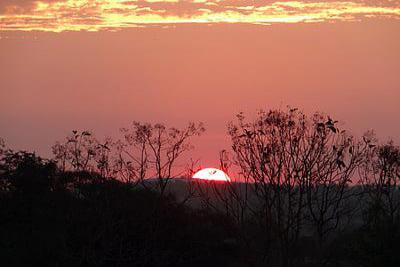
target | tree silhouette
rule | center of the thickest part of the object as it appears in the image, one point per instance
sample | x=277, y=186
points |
x=304, y=193
x=151, y=151
x=301, y=169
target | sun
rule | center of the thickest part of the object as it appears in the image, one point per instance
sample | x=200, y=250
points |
x=211, y=174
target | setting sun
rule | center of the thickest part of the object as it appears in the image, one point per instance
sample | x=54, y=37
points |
x=200, y=133
x=211, y=174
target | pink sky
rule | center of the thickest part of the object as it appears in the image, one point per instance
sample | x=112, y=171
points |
x=52, y=83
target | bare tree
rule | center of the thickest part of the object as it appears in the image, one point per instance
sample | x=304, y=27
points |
x=76, y=152
x=154, y=150
x=268, y=152
x=380, y=177
x=103, y=155
x=330, y=163
x=131, y=163
x=144, y=151
x=300, y=169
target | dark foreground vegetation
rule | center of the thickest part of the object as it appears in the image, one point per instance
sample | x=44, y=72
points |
x=307, y=194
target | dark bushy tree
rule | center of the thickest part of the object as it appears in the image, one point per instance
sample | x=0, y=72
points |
x=55, y=218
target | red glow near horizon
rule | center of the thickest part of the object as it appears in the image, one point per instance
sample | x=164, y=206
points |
x=211, y=174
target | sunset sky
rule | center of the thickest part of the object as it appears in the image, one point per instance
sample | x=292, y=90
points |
x=98, y=65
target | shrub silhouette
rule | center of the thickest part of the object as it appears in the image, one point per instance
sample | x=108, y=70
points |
x=52, y=218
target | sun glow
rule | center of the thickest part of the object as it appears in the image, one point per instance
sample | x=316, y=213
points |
x=211, y=174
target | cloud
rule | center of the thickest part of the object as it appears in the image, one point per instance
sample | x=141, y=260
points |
x=95, y=15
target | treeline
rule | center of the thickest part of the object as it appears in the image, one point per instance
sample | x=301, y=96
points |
x=305, y=193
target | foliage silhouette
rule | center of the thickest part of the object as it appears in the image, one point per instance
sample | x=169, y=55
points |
x=308, y=194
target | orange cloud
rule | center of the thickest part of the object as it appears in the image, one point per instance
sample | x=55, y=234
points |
x=95, y=15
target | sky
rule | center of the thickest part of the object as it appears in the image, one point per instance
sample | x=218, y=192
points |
x=99, y=65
